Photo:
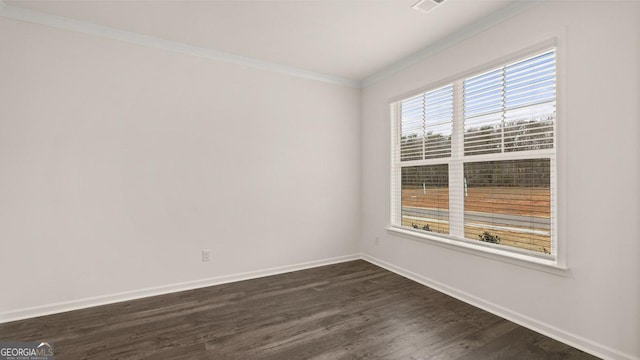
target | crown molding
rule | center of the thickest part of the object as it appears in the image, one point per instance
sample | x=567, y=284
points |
x=451, y=40
x=60, y=22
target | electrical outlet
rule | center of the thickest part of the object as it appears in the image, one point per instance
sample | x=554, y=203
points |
x=376, y=241
x=206, y=255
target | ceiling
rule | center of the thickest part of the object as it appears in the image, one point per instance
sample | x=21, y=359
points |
x=352, y=39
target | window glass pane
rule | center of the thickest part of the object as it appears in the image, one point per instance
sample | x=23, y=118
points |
x=411, y=128
x=530, y=81
x=529, y=128
x=508, y=202
x=438, y=122
x=425, y=198
x=482, y=134
x=426, y=125
x=511, y=108
x=483, y=93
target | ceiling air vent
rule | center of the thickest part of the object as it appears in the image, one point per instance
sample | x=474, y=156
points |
x=426, y=5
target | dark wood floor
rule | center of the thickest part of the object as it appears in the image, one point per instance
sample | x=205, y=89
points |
x=352, y=310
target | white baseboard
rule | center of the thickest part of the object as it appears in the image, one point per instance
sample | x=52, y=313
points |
x=65, y=306
x=576, y=341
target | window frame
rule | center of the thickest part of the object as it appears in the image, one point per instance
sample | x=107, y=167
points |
x=556, y=263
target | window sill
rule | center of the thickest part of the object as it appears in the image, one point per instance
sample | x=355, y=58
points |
x=532, y=262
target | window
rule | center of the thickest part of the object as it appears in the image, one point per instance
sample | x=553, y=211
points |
x=474, y=160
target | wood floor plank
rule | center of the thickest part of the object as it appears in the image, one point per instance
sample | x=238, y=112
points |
x=352, y=310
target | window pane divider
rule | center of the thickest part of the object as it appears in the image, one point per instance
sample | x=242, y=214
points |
x=436, y=161
x=456, y=185
x=515, y=155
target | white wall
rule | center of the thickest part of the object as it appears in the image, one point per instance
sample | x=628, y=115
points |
x=597, y=305
x=120, y=163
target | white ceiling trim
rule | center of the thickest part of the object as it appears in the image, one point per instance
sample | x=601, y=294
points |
x=38, y=17
x=455, y=38
x=60, y=22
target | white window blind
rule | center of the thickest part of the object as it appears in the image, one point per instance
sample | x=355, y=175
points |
x=511, y=108
x=426, y=126
x=425, y=134
x=474, y=160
